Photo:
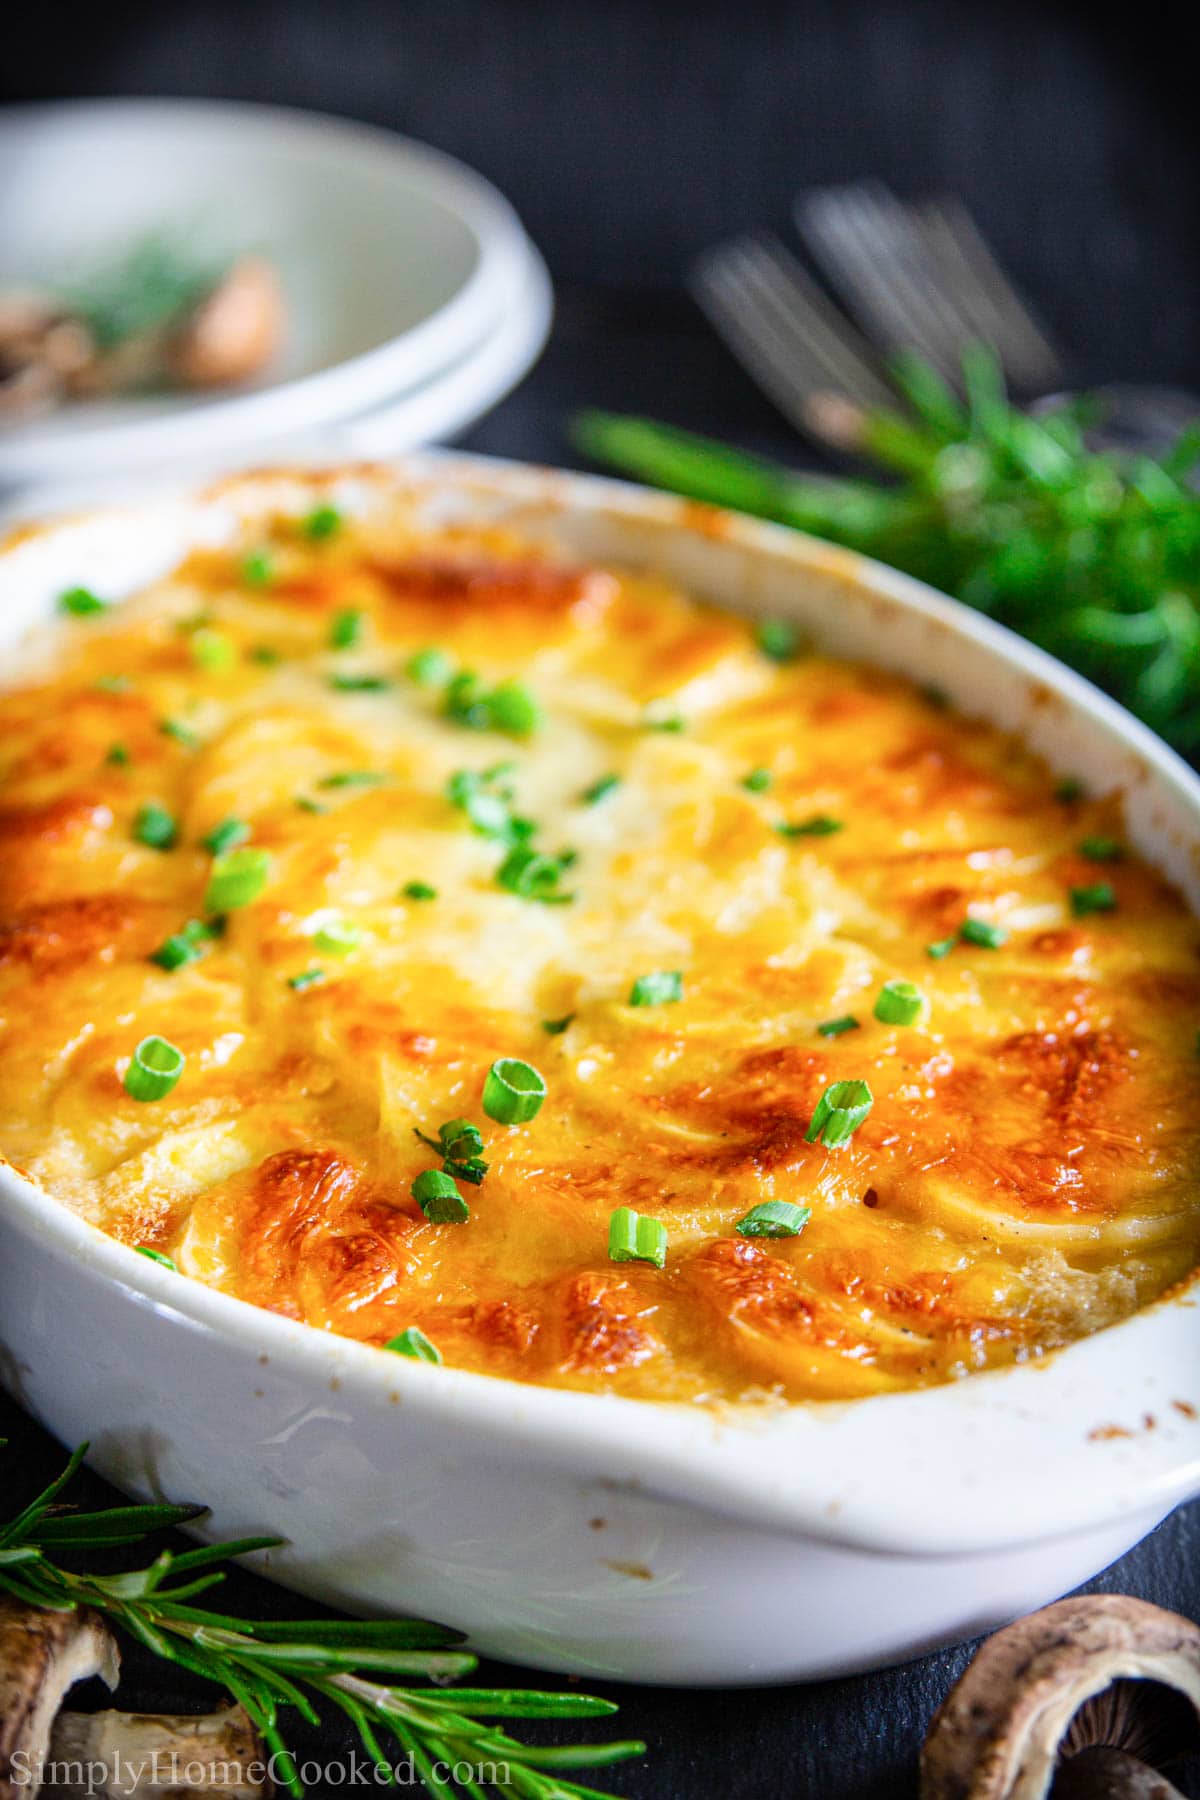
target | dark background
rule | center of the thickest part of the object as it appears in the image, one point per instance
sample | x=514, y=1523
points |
x=630, y=135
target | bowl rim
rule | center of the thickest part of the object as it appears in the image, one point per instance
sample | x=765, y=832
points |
x=1107, y=1428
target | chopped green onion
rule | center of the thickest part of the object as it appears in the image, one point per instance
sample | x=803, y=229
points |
x=774, y=1219
x=757, y=781
x=941, y=948
x=657, y=989
x=156, y=1256
x=338, y=937
x=81, y=603
x=346, y=628
x=532, y=875
x=237, y=878
x=414, y=1343
x=258, y=568
x=632, y=1238
x=1098, y=898
x=1069, y=789
x=350, y=778
x=182, y=947
x=418, y=890
x=322, y=522
x=600, y=790
x=226, y=836
x=978, y=931
x=1102, y=849
x=266, y=654
x=179, y=733
x=513, y=1091
x=465, y=701
x=836, y=1027
x=459, y=1143
x=936, y=697
x=154, y=1068
x=214, y=651
x=899, y=1003
x=305, y=804
x=778, y=639
x=514, y=709
x=556, y=1027
x=117, y=756
x=816, y=825
x=155, y=827
x=655, y=718
x=429, y=667
x=359, y=684
x=839, y=1113
x=307, y=978
x=439, y=1199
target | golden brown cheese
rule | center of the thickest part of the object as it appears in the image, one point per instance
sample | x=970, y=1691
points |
x=1027, y=1173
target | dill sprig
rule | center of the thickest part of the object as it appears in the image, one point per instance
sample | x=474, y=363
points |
x=271, y=1665
x=1094, y=555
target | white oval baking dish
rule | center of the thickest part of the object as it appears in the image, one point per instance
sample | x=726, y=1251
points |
x=580, y=1532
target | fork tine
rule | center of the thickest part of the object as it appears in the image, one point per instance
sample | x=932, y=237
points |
x=997, y=313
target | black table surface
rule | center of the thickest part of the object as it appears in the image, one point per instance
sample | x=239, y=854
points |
x=853, y=1739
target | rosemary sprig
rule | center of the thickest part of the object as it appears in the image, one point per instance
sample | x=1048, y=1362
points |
x=1095, y=556
x=270, y=1665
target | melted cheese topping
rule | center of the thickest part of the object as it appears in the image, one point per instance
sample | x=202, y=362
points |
x=1027, y=1173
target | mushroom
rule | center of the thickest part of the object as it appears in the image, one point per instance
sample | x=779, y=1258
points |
x=113, y=1755
x=1087, y=1698
x=233, y=332
x=42, y=351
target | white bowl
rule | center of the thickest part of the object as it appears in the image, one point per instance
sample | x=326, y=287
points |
x=579, y=1531
x=397, y=261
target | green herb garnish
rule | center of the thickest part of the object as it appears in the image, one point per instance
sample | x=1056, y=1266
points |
x=237, y=878
x=757, y=781
x=413, y=1342
x=838, y=1027
x=980, y=933
x=774, y=1219
x=1098, y=898
x=307, y=978
x=899, y=1003
x=418, y=890
x=839, y=1113
x=226, y=836
x=816, y=825
x=155, y=827
x=633, y=1238
x=154, y=1068
x=81, y=603
x=346, y=628
x=513, y=1091
x=658, y=989
x=322, y=522
x=439, y=1199
x=600, y=790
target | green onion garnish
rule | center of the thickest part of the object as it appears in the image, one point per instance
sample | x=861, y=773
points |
x=632, y=1238
x=899, y=1003
x=155, y=827
x=418, y=890
x=774, y=1219
x=226, y=836
x=182, y=947
x=757, y=781
x=657, y=989
x=514, y=709
x=1069, y=789
x=414, y=1343
x=941, y=948
x=237, y=878
x=179, y=733
x=439, y=1199
x=839, y=1113
x=1102, y=849
x=322, y=522
x=359, y=684
x=460, y=1144
x=532, y=875
x=600, y=790
x=978, y=931
x=556, y=1027
x=656, y=719
x=346, y=628
x=306, y=804
x=156, y=1256
x=350, y=778
x=213, y=651
x=835, y=1027
x=816, y=825
x=258, y=568
x=429, y=667
x=509, y=707
x=154, y=1068
x=81, y=603
x=266, y=654
x=307, y=978
x=779, y=639
x=513, y=1091
x=117, y=756
x=338, y=937
x=1098, y=898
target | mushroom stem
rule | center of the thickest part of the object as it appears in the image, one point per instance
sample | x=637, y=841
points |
x=1102, y=1773
x=116, y=1755
x=42, y=1654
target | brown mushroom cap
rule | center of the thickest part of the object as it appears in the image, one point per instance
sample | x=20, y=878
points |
x=42, y=1654
x=997, y=1734
x=234, y=331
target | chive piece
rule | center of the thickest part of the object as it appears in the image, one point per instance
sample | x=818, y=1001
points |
x=778, y=639
x=266, y=654
x=418, y=890
x=156, y=1256
x=338, y=937
x=899, y=1003
x=513, y=1091
x=465, y=701
x=941, y=948
x=657, y=989
x=757, y=781
x=514, y=709
x=179, y=733
x=836, y=1027
x=439, y=1199
x=155, y=827
x=556, y=1027
x=182, y=947
x=816, y=825
x=839, y=1113
x=459, y=1143
x=117, y=756
x=429, y=667
x=1102, y=849
x=359, y=684
x=307, y=805
x=978, y=931
x=213, y=651
x=413, y=1342
x=237, y=878
x=632, y=1238
x=1098, y=898
x=226, y=836
x=935, y=696
x=81, y=603
x=774, y=1219
x=154, y=1068
x=532, y=875
x=351, y=778
x=307, y=978
x=1069, y=789
x=654, y=719
x=322, y=522
x=346, y=628
x=258, y=568
x=600, y=790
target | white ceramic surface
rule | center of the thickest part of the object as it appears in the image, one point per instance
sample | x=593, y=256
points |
x=397, y=261
x=577, y=1531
